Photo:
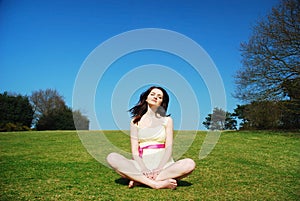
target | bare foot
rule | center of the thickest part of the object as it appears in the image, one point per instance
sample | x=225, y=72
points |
x=133, y=184
x=168, y=183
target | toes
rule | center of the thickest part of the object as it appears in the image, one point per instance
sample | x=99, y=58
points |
x=131, y=184
x=173, y=183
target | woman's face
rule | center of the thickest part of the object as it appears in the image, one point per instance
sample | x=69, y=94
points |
x=155, y=98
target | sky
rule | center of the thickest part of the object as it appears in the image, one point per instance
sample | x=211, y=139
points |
x=51, y=44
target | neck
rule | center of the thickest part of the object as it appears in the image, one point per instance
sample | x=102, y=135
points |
x=151, y=111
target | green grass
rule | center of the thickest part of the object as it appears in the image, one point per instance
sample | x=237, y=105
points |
x=243, y=166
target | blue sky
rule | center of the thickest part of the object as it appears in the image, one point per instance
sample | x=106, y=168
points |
x=43, y=44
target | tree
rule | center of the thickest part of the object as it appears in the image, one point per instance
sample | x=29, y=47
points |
x=239, y=112
x=220, y=120
x=268, y=115
x=230, y=122
x=57, y=119
x=263, y=115
x=292, y=89
x=46, y=101
x=271, y=58
x=63, y=119
x=81, y=121
x=16, y=113
x=207, y=122
x=51, y=112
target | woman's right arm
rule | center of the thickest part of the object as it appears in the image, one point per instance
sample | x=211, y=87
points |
x=135, y=146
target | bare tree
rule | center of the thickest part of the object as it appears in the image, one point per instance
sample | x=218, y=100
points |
x=46, y=101
x=51, y=112
x=271, y=58
x=81, y=122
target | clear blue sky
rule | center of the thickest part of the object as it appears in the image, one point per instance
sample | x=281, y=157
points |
x=43, y=44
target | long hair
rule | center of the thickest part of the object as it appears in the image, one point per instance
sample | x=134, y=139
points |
x=142, y=106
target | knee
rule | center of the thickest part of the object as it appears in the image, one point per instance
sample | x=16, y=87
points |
x=190, y=164
x=112, y=159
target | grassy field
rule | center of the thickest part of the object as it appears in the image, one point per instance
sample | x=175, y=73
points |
x=56, y=166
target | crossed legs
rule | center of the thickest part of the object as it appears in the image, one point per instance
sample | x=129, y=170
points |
x=166, y=178
x=177, y=170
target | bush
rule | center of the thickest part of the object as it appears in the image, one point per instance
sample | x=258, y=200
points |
x=8, y=127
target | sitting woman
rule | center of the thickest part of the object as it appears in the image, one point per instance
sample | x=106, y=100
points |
x=151, y=134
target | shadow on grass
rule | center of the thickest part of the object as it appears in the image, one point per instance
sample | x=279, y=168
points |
x=124, y=181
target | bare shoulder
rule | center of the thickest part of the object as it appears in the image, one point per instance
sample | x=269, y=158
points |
x=132, y=122
x=169, y=120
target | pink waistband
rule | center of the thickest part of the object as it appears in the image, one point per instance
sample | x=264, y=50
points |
x=151, y=146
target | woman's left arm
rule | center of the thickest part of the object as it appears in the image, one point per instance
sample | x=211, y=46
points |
x=168, y=145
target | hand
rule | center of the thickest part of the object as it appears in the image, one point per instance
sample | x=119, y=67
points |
x=148, y=173
x=156, y=172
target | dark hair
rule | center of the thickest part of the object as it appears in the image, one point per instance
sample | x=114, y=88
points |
x=142, y=106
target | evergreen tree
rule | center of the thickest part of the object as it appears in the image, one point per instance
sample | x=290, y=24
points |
x=59, y=119
x=220, y=120
x=16, y=112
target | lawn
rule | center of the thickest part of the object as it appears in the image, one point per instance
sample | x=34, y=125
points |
x=54, y=165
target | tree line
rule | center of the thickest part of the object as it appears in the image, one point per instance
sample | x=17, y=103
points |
x=259, y=115
x=43, y=110
x=269, y=80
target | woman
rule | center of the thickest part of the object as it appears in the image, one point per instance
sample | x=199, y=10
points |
x=151, y=134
